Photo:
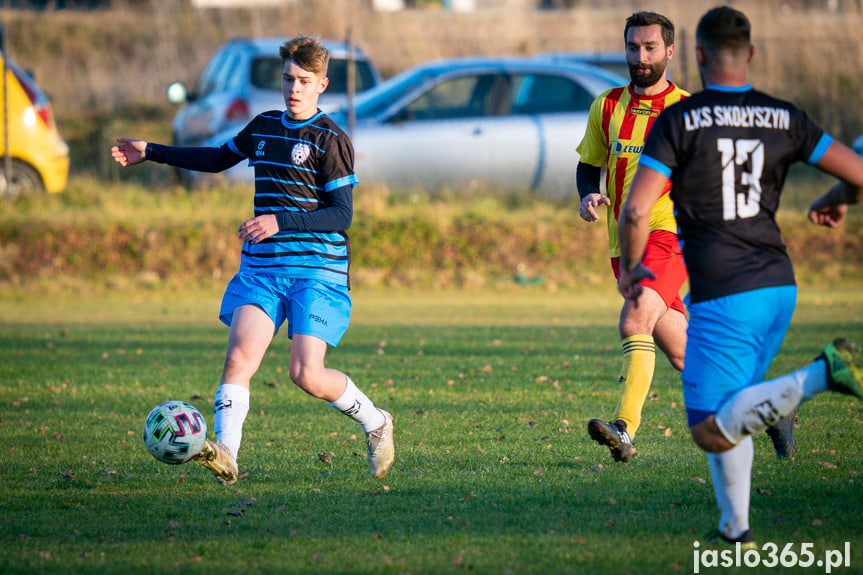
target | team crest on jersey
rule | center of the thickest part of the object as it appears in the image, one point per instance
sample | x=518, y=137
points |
x=300, y=153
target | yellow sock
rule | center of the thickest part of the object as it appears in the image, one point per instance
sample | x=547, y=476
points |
x=639, y=359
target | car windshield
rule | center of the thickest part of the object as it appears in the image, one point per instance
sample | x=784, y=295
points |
x=338, y=75
x=381, y=97
x=267, y=75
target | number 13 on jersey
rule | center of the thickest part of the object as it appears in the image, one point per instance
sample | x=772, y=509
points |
x=747, y=153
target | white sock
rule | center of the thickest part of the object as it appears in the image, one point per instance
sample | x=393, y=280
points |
x=732, y=477
x=812, y=378
x=231, y=405
x=752, y=409
x=356, y=405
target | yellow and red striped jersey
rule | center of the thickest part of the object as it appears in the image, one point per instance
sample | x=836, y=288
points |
x=616, y=130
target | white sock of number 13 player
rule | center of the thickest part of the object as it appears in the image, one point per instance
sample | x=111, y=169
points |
x=731, y=472
x=231, y=405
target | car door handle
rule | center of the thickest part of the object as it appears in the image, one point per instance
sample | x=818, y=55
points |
x=476, y=131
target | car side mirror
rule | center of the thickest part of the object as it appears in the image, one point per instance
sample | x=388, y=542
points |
x=177, y=93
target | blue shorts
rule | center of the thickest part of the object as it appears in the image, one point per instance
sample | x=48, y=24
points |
x=311, y=307
x=730, y=343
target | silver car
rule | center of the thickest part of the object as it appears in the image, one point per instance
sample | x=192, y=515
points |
x=243, y=79
x=505, y=124
x=612, y=61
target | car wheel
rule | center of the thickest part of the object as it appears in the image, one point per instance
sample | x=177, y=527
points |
x=25, y=181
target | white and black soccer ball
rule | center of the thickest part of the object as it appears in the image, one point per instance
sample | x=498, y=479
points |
x=175, y=432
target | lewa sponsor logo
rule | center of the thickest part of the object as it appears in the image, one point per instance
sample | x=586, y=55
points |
x=617, y=148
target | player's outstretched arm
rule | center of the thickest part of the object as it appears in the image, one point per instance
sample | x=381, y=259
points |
x=129, y=151
x=830, y=208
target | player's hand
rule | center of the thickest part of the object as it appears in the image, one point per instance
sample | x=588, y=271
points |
x=129, y=151
x=587, y=210
x=830, y=208
x=830, y=216
x=629, y=283
x=258, y=229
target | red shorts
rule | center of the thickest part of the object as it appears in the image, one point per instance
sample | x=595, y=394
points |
x=665, y=259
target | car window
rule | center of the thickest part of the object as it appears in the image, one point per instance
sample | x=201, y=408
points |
x=463, y=97
x=267, y=73
x=39, y=98
x=228, y=75
x=207, y=80
x=386, y=94
x=338, y=75
x=546, y=93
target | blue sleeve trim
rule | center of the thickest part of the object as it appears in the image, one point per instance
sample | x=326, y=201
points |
x=819, y=150
x=732, y=89
x=342, y=182
x=654, y=164
x=233, y=147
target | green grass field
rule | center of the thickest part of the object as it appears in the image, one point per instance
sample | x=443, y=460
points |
x=494, y=472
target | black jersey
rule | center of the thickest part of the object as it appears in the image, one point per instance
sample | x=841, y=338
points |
x=727, y=152
x=296, y=165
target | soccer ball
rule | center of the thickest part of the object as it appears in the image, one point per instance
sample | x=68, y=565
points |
x=175, y=432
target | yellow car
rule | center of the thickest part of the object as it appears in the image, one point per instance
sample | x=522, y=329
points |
x=38, y=156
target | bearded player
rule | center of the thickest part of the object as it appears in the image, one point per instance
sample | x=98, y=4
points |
x=619, y=121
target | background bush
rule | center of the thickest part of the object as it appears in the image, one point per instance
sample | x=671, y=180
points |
x=128, y=235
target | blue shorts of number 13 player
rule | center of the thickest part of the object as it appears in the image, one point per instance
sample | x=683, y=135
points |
x=742, y=286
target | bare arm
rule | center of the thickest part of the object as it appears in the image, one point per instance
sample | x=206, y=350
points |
x=830, y=208
x=633, y=228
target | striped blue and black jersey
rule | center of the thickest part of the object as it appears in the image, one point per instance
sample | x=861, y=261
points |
x=727, y=152
x=296, y=166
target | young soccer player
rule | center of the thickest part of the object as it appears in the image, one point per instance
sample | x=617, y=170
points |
x=295, y=257
x=726, y=152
